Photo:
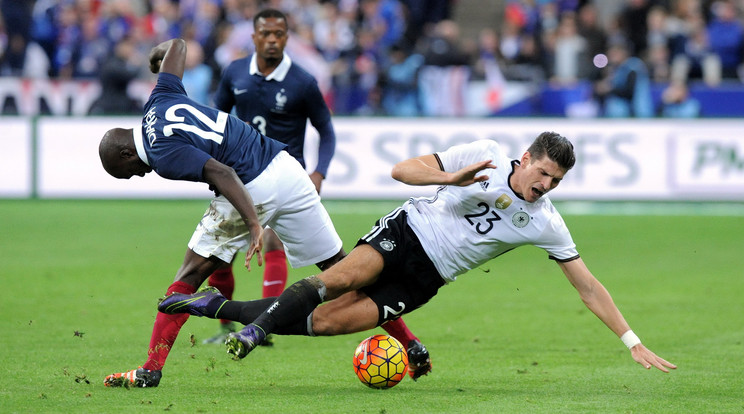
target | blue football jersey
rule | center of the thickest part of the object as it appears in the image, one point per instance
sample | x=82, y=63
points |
x=179, y=135
x=278, y=105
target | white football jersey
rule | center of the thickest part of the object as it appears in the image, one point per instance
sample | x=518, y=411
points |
x=461, y=228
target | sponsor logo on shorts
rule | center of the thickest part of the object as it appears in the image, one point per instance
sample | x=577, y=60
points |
x=387, y=245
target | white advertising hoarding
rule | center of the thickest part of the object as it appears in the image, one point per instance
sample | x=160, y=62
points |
x=616, y=159
x=69, y=165
x=16, y=166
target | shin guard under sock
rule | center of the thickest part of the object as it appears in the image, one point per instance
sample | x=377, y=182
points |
x=293, y=305
x=275, y=273
x=165, y=330
x=244, y=312
x=224, y=280
x=398, y=330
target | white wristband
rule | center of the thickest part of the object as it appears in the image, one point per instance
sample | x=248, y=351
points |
x=630, y=339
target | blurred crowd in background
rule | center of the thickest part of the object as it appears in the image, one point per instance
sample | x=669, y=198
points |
x=376, y=57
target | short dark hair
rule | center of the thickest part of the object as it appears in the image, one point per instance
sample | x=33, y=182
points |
x=267, y=14
x=556, y=147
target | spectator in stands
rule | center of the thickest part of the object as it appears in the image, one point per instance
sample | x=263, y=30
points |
x=203, y=19
x=197, y=76
x=657, y=60
x=92, y=51
x=570, y=53
x=594, y=35
x=626, y=91
x=521, y=54
x=43, y=27
x=446, y=71
x=657, y=45
x=488, y=67
x=443, y=46
x=333, y=32
x=116, y=74
x=399, y=83
x=697, y=59
x=164, y=20
x=117, y=18
x=19, y=54
x=726, y=37
x=680, y=22
x=385, y=19
x=676, y=102
x=423, y=14
x=356, y=76
x=68, y=39
x=633, y=20
x=24, y=58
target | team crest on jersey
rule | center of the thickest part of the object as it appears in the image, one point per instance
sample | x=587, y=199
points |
x=502, y=202
x=281, y=100
x=387, y=245
x=520, y=219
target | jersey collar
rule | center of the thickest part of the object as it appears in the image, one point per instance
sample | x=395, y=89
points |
x=139, y=144
x=514, y=164
x=278, y=74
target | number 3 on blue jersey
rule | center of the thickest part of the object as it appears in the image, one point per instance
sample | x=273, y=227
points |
x=217, y=127
x=260, y=123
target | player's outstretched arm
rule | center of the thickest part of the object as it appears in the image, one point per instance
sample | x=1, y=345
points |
x=425, y=170
x=598, y=300
x=169, y=57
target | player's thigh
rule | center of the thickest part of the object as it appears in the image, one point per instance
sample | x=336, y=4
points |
x=304, y=226
x=351, y=312
x=360, y=268
x=271, y=241
x=195, y=269
x=221, y=232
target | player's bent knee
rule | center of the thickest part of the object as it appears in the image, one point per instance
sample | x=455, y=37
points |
x=350, y=313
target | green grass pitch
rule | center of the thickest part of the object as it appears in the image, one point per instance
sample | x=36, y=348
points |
x=80, y=282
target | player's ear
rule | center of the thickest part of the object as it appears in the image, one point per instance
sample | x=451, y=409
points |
x=126, y=153
x=526, y=157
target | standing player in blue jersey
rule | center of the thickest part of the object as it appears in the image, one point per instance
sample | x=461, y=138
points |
x=487, y=204
x=277, y=97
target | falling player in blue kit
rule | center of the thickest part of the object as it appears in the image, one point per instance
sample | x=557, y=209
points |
x=487, y=204
x=256, y=183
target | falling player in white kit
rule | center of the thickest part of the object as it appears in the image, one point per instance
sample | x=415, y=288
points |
x=487, y=205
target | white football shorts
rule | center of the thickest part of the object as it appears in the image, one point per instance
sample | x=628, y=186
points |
x=285, y=200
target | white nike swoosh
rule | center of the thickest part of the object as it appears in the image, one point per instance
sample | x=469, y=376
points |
x=237, y=91
x=363, y=361
x=272, y=282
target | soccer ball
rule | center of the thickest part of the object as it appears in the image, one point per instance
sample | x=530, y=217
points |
x=380, y=361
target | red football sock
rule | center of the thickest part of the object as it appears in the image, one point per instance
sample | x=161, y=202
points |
x=166, y=330
x=275, y=273
x=224, y=280
x=398, y=330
